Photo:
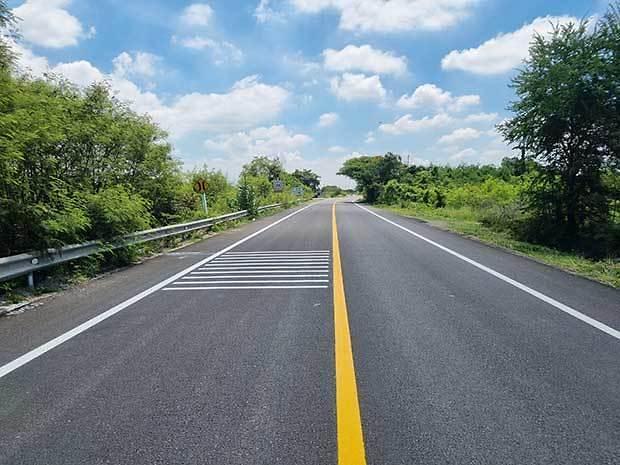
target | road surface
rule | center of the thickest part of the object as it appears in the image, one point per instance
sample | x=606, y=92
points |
x=322, y=335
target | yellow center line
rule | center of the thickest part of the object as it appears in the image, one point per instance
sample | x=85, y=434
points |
x=348, y=419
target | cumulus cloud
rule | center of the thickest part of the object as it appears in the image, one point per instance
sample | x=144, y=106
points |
x=47, y=23
x=271, y=141
x=81, y=72
x=463, y=156
x=264, y=12
x=364, y=58
x=337, y=149
x=248, y=103
x=460, y=135
x=505, y=51
x=222, y=51
x=197, y=14
x=141, y=64
x=481, y=118
x=393, y=15
x=350, y=87
x=328, y=119
x=429, y=96
x=407, y=124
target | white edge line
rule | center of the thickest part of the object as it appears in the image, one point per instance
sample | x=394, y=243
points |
x=539, y=295
x=38, y=351
x=240, y=287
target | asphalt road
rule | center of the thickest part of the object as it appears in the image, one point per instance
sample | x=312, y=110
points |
x=240, y=350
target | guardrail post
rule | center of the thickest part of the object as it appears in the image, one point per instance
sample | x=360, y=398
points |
x=31, y=280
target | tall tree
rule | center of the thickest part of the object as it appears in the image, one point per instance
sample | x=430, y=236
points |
x=308, y=178
x=562, y=120
x=372, y=173
x=270, y=168
x=7, y=22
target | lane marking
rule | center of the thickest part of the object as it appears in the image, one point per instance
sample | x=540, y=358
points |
x=239, y=287
x=206, y=278
x=270, y=260
x=285, y=252
x=37, y=352
x=276, y=281
x=259, y=263
x=260, y=267
x=539, y=295
x=276, y=255
x=261, y=271
x=348, y=418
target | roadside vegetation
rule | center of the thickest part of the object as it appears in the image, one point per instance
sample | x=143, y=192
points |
x=559, y=201
x=78, y=164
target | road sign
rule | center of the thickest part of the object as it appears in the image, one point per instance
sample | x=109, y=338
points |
x=298, y=191
x=200, y=186
x=278, y=185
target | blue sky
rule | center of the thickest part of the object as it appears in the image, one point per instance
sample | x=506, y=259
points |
x=311, y=81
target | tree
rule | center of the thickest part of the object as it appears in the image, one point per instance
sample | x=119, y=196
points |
x=308, y=178
x=372, y=173
x=7, y=21
x=564, y=120
x=271, y=168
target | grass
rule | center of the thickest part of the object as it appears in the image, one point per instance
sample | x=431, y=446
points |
x=465, y=221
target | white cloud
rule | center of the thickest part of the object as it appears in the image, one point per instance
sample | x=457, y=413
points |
x=364, y=58
x=392, y=15
x=407, y=124
x=27, y=61
x=272, y=141
x=248, y=103
x=370, y=137
x=328, y=119
x=337, y=149
x=141, y=64
x=197, y=14
x=481, y=118
x=47, y=23
x=504, y=52
x=223, y=52
x=460, y=135
x=463, y=155
x=80, y=72
x=429, y=96
x=350, y=87
x=264, y=12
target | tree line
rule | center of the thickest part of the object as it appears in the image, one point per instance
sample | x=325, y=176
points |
x=78, y=164
x=564, y=189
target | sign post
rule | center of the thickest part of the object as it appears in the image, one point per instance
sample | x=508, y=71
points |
x=278, y=185
x=200, y=187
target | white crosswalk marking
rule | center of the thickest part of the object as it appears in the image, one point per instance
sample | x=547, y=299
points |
x=277, y=269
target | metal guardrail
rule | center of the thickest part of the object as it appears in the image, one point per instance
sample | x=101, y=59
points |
x=27, y=263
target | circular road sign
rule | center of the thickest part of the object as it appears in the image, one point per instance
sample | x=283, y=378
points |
x=200, y=186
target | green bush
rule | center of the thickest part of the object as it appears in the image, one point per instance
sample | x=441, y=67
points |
x=115, y=212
